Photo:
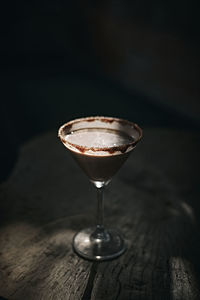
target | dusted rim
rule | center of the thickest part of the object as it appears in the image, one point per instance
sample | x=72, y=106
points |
x=66, y=128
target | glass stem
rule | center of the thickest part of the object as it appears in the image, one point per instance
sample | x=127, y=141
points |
x=100, y=234
x=100, y=207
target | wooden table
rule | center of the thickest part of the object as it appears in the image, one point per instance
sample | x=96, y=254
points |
x=153, y=201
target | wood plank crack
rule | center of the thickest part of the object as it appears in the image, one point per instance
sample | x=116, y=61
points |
x=90, y=283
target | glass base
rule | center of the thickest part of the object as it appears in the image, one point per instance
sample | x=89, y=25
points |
x=98, y=244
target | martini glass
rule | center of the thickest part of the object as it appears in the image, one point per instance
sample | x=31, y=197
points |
x=100, y=145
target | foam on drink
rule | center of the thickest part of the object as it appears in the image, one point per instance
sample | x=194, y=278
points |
x=97, y=140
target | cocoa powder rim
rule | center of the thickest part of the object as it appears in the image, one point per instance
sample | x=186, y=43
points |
x=111, y=150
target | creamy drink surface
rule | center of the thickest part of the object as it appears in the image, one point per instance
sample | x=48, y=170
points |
x=97, y=141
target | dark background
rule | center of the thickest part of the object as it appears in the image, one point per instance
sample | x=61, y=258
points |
x=65, y=59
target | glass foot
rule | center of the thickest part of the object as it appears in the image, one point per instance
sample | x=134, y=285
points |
x=94, y=245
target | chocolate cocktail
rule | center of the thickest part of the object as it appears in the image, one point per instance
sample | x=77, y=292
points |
x=100, y=145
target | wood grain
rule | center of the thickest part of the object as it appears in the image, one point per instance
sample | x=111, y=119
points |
x=153, y=201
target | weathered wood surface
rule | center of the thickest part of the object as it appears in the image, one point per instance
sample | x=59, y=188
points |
x=153, y=200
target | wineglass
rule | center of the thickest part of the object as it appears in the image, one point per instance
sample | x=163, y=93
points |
x=100, y=145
